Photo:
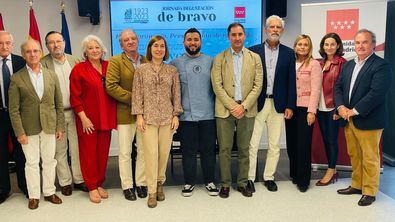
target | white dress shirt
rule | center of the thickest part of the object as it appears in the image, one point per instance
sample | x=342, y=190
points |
x=37, y=81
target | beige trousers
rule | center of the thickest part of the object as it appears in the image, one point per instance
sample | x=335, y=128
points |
x=274, y=122
x=126, y=133
x=156, y=142
x=364, y=152
x=40, y=146
x=70, y=141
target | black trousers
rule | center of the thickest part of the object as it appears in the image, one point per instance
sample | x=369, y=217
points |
x=19, y=157
x=198, y=136
x=299, y=136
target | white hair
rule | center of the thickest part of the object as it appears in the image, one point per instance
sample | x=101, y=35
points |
x=275, y=17
x=3, y=32
x=89, y=38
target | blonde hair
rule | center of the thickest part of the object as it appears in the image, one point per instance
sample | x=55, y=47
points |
x=310, y=54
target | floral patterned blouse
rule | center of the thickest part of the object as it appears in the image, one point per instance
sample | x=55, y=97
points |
x=156, y=94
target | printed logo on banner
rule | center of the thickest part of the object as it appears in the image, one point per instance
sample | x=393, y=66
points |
x=136, y=15
x=240, y=14
x=344, y=22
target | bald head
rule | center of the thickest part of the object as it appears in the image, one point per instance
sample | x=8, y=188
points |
x=31, y=52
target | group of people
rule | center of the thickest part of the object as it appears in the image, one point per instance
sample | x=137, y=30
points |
x=61, y=104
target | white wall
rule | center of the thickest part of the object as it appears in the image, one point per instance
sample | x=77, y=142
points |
x=16, y=20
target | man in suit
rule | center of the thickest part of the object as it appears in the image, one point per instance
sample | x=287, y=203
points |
x=36, y=113
x=62, y=64
x=360, y=98
x=119, y=83
x=9, y=64
x=276, y=101
x=237, y=80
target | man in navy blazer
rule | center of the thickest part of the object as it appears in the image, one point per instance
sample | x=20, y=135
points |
x=360, y=97
x=276, y=101
x=10, y=63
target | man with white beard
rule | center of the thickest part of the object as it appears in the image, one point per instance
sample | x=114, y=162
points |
x=276, y=101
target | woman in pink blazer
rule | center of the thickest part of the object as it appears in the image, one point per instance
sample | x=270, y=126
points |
x=299, y=129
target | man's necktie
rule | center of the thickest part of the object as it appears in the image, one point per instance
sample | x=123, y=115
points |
x=6, y=79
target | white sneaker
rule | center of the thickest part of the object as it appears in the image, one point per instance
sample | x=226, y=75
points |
x=212, y=190
x=187, y=191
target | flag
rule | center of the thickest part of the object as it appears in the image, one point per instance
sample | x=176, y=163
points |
x=33, y=29
x=65, y=33
x=1, y=23
x=344, y=22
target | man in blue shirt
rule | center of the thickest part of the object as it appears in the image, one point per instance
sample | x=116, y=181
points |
x=197, y=129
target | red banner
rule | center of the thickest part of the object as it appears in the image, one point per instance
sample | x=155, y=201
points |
x=33, y=28
x=1, y=23
x=344, y=22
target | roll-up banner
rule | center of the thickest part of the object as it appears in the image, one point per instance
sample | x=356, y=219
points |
x=344, y=18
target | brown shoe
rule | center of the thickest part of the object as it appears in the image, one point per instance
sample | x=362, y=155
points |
x=160, y=194
x=33, y=204
x=102, y=192
x=53, y=199
x=152, y=200
x=66, y=190
x=94, y=196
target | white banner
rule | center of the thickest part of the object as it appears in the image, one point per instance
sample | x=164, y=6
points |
x=345, y=18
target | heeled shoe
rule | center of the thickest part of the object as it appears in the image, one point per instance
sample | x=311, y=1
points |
x=332, y=180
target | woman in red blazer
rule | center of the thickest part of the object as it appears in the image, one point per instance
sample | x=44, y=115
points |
x=331, y=50
x=96, y=112
x=299, y=129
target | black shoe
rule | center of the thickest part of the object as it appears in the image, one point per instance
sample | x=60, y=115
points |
x=366, y=200
x=81, y=186
x=129, y=194
x=250, y=186
x=303, y=188
x=224, y=192
x=271, y=185
x=3, y=197
x=141, y=191
x=349, y=190
x=244, y=191
x=294, y=181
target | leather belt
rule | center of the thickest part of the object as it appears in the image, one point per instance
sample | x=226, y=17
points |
x=238, y=101
x=3, y=109
x=67, y=109
x=269, y=96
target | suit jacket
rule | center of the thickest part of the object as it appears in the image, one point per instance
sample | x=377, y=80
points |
x=222, y=78
x=17, y=63
x=29, y=115
x=119, y=84
x=284, y=89
x=368, y=95
x=47, y=61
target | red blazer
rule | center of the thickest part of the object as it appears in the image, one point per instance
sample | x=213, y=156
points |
x=330, y=77
x=87, y=93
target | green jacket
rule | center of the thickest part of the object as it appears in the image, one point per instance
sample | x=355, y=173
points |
x=30, y=115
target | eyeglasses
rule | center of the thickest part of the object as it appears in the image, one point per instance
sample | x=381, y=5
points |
x=8, y=43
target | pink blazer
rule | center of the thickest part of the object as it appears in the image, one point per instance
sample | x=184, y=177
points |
x=308, y=85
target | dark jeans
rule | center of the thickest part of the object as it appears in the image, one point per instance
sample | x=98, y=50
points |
x=19, y=157
x=329, y=131
x=194, y=136
x=299, y=136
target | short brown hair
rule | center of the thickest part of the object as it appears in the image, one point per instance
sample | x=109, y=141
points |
x=339, y=42
x=151, y=42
